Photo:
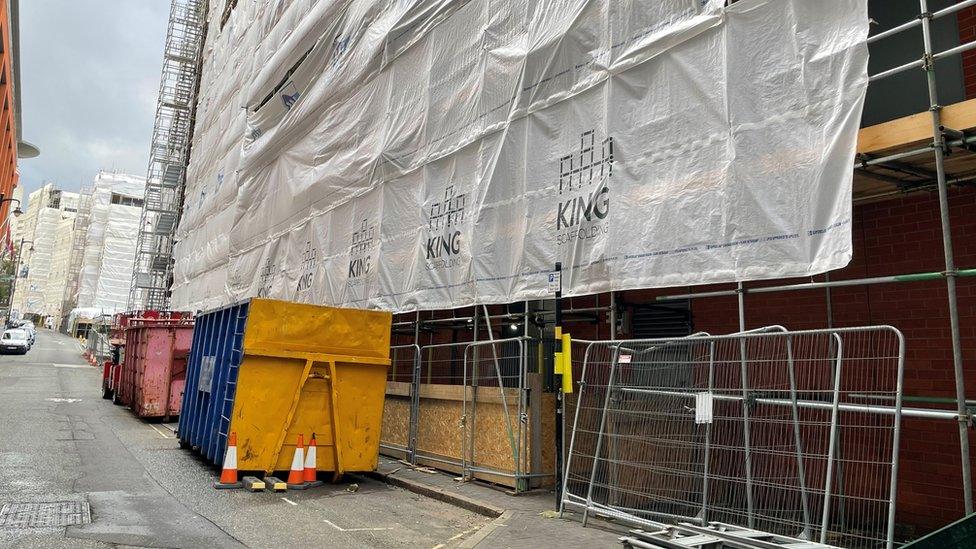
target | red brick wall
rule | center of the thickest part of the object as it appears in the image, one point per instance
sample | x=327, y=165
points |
x=967, y=33
x=893, y=237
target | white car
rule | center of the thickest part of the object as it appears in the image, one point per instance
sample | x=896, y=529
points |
x=31, y=331
x=15, y=341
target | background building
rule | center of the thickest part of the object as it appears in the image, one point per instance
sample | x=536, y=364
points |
x=79, y=248
x=110, y=242
x=40, y=229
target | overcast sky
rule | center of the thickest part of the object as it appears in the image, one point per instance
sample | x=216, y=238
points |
x=89, y=79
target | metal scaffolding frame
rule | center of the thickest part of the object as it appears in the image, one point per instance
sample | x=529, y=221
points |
x=70, y=298
x=944, y=140
x=169, y=155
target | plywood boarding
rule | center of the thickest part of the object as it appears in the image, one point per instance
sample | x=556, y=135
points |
x=485, y=440
x=396, y=421
x=547, y=425
x=439, y=429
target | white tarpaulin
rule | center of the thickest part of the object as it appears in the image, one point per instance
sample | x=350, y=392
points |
x=431, y=154
x=110, y=242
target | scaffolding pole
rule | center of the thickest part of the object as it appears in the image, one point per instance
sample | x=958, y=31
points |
x=950, y=265
x=912, y=277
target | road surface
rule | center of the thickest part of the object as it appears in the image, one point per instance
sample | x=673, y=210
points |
x=62, y=446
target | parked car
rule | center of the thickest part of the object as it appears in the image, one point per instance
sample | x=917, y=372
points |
x=31, y=331
x=15, y=341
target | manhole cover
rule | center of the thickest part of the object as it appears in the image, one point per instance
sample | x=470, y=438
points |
x=46, y=514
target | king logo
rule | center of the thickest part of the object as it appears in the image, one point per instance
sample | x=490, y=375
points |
x=362, y=243
x=584, y=188
x=446, y=217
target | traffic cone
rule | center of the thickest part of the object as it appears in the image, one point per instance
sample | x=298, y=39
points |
x=228, y=474
x=310, y=461
x=296, y=477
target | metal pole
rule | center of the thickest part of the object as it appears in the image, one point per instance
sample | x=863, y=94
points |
x=415, y=395
x=895, y=443
x=914, y=277
x=469, y=429
x=708, y=437
x=834, y=415
x=558, y=385
x=950, y=264
x=13, y=286
x=916, y=22
x=613, y=316
x=798, y=440
x=921, y=413
x=614, y=450
x=746, y=430
x=830, y=305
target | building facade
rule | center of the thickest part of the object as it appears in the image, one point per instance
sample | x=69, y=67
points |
x=8, y=118
x=49, y=213
x=114, y=212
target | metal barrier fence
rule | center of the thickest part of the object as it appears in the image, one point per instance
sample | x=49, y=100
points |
x=770, y=429
x=405, y=368
x=468, y=409
x=495, y=383
x=98, y=346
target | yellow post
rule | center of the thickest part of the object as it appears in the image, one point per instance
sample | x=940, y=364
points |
x=567, y=369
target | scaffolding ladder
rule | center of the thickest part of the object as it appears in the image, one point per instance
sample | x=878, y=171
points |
x=168, y=157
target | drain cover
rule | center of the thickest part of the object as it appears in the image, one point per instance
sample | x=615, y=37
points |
x=44, y=514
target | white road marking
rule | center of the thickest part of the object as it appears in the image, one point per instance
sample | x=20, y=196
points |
x=438, y=546
x=341, y=529
x=55, y=365
x=289, y=501
x=63, y=399
x=162, y=434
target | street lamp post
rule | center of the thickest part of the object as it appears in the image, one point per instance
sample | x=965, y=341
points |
x=16, y=212
x=13, y=285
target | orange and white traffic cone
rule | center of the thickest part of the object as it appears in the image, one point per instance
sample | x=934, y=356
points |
x=228, y=474
x=310, y=462
x=296, y=477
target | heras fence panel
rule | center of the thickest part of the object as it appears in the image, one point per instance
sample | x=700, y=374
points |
x=400, y=422
x=474, y=408
x=273, y=370
x=794, y=433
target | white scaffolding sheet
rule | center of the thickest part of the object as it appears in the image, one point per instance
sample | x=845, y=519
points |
x=110, y=245
x=431, y=154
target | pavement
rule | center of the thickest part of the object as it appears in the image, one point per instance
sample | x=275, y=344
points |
x=77, y=471
x=526, y=521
